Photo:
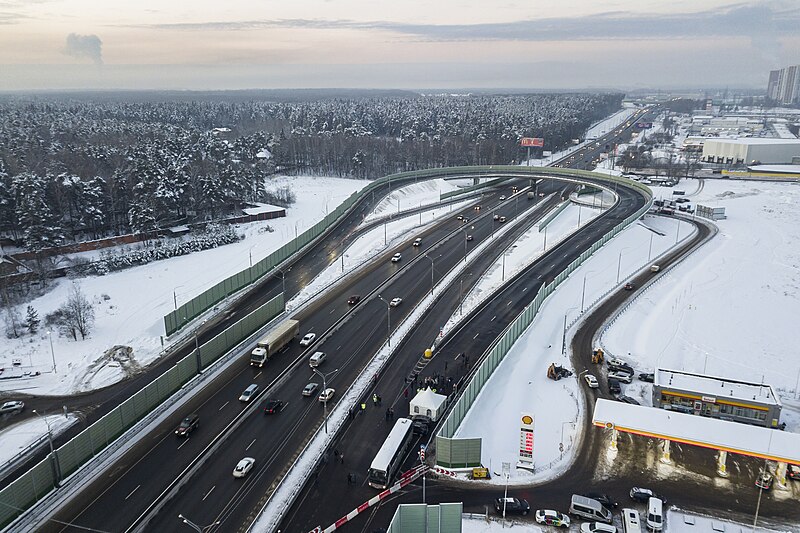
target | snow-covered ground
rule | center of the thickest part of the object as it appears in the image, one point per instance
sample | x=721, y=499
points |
x=135, y=317
x=19, y=437
x=520, y=384
x=414, y=196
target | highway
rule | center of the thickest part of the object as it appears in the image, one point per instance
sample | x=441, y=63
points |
x=209, y=492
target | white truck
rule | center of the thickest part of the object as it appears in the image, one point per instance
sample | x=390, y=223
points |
x=274, y=342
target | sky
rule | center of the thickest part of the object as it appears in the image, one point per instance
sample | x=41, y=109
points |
x=407, y=44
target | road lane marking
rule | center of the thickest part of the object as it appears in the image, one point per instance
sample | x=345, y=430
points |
x=248, y=446
x=223, y=405
x=184, y=442
x=476, y=336
x=209, y=492
x=492, y=320
x=134, y=490
x=509, y=303
x=259, y=373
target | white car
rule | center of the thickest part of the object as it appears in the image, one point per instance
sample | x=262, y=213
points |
x=396, y=258
x=552, y=518
x=249, y=393
x=417, y=241
x=326, y=395
x=243, y=467
x=502, y=198
x=14, y=406
x=622, y=377
x=597, y=527
x=591, y=381
x=308, y=339
x=395, y=302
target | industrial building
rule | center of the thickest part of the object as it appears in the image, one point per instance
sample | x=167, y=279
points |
x=750, y=151
x=716, y=397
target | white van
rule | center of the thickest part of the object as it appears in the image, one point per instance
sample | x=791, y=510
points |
x=655, y=517
x=589, y=509
x=630, y=521
x=316, y=359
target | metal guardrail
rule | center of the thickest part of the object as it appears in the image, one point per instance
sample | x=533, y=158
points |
x=496, y=353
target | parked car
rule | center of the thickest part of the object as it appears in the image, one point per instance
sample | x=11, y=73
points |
x=629, y=286
x=396, y=257
x=310, y=389
x=618, y=365
x=623, y=377
x=244, y=467
x=597, y=527
x=591, y=381
x=326, y=395
x=764, y=481
x=642, y=495
x=604, y=499
x=552, y=518
x=308, y=339
x=354, y=299
x=512, y=506
x=188, y=425
x=627, y=399
x=793, y=472
x=249, y=393
x=417, y=241
x=613, y=386
x=12, y=407
x=395, y=302
x=272, y=406
x=648, y=377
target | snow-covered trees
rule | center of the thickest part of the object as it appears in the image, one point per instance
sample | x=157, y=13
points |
x=88, y=169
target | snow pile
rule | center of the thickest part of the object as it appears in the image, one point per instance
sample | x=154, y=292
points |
x=410, y=197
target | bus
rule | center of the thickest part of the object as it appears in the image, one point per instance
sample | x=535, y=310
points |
x=390, y=456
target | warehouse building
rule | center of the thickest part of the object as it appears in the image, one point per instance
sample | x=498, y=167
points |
x=750, y=151
x=715, y=397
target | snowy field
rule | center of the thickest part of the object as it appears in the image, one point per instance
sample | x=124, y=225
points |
x=730, y=308
x=135, y=317
x=20, y=436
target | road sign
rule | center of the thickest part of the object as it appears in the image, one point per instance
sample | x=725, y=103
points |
x=531, y=141
x=422, y=452
x=526, y=438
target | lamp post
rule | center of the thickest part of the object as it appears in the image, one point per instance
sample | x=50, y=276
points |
x=175, y=295
x=388, y=321
x=283, y=277
x=324, y=388
x=195, y=526
x=619, y=263
x=650, y=249
x=583, y=292
x=54, y=457
x=52, y=351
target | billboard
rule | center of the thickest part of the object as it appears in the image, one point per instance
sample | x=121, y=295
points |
x=526, y=438
x=644, y=125
x=531, y=141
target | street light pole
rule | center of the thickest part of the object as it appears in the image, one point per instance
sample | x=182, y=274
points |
x=195, y=526
x=324, y=388
x=650, y=249
x=431, y=260
x=564, y=334
x=388, y=321
x=52, y=351
x=54, y=457
x=619, y=263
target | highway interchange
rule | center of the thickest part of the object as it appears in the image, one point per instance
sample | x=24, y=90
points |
x=195, y=473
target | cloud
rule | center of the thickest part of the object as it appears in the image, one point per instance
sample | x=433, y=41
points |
x=85, y=46
x=760, y=20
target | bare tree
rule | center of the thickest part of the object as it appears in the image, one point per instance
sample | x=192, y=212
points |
x=78, y=313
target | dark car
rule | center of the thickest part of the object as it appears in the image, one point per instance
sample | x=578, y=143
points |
x=188, y=425
x=627, y=399
x=647, y=377
x=764, y=481
x=469, y=237
x=513, y=505
x=620, y=367
x=793, y=472
x=604, y=499
x=613, y=386
x=272, y=406
x=629, y=286
x=354, y=299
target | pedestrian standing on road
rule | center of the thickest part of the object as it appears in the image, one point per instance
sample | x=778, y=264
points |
x=335, y=455
x=445, y=366
x=374, y=399
x=379, y=400
x=363, y=406
x=405, y=392
x=391, y=413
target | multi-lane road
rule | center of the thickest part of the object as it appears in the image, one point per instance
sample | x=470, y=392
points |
x=193, y=476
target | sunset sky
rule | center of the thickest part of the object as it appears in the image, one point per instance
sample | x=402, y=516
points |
x=234, y=44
